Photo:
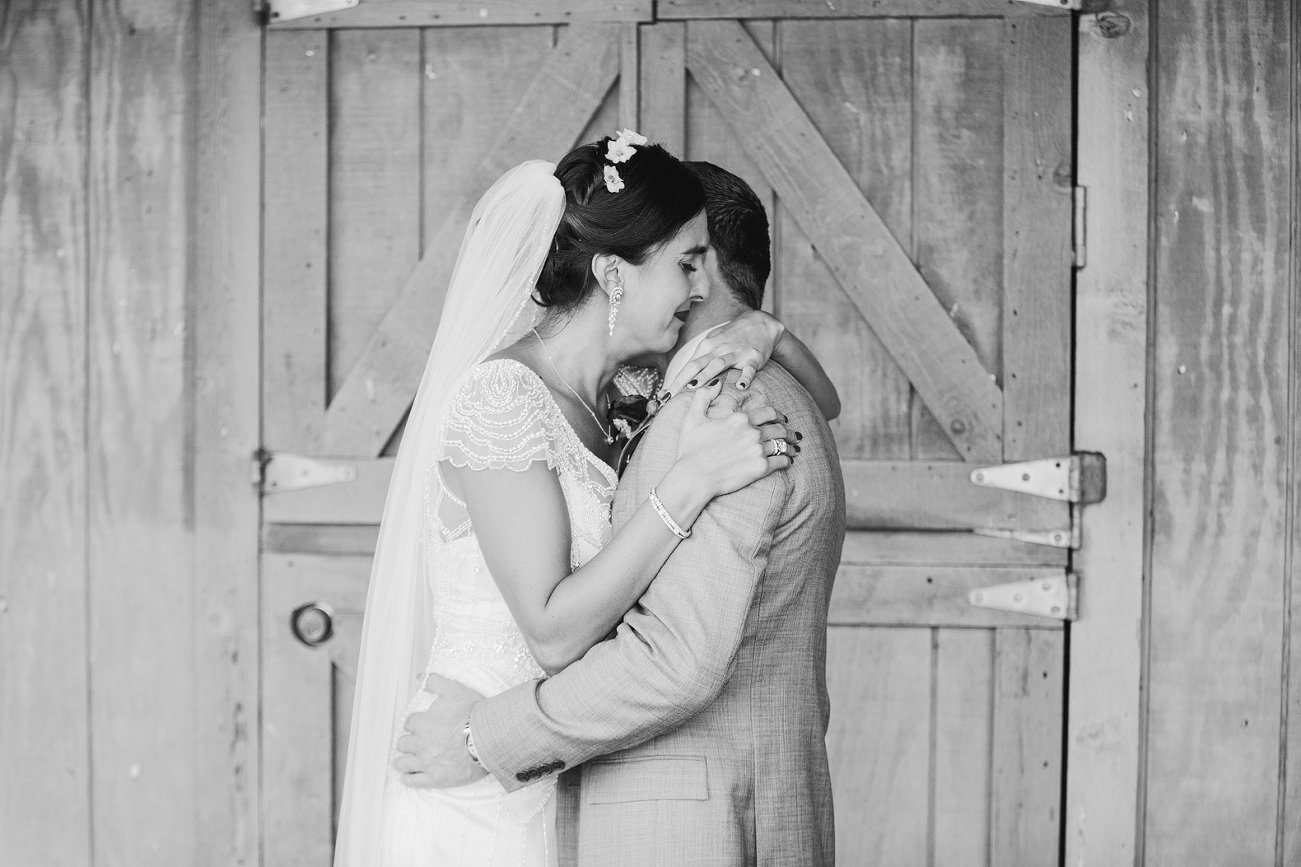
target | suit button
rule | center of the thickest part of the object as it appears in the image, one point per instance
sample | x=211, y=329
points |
x=522, y=776
x=558, y=765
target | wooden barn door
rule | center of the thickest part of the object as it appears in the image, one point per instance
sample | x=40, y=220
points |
x=916, y=161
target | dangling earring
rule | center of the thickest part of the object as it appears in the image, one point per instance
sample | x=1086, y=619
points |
x=616, y=295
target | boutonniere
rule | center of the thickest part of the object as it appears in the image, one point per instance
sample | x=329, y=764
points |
x=630, y=416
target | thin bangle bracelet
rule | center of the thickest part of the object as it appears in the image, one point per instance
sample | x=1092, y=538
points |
x=673, y=525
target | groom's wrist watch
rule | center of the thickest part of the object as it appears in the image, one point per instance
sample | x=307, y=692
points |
x=469, y=745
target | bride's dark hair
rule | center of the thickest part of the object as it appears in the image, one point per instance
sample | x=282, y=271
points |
x=660, y=195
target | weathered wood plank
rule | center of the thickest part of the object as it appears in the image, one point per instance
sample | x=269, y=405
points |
x=298, y=721
x=957, y=242
x=560, y=100
x=44, y=688
x=904, y=548
x=629, y=77
x=904, y=495
x=664, y=84
x=1102, y=740
x=874, y=595
x=883, y=495
x=226, y=311
x=1037, y=182
x=294, y=272
x=140, y=523
x=455, y=13
x=1222, y=234
x=1025, y=798
x=964, y=690
x=853, y=240
x=374, y=189
x=854, y=79
x=777, y=9
x=878, y=742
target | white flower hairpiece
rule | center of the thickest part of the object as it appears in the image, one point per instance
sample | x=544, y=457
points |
x=620, y=150
x=613, y=182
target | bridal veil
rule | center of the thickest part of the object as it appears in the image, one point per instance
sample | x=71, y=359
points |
x=488, y=306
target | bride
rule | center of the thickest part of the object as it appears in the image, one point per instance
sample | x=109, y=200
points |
x=495, y=563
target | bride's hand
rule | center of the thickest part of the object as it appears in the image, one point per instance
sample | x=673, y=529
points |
x=746, y=343
x=727, y=452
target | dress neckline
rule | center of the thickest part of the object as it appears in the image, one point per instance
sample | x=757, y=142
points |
x=611, y=477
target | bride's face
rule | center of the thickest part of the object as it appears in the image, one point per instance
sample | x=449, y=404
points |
x=659, y=293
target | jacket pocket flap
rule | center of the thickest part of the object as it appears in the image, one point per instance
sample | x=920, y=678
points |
x=646, y=778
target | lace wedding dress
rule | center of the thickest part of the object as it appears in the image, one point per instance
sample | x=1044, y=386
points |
x=501, y=416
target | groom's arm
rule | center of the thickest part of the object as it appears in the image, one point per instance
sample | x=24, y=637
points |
x=673, y=652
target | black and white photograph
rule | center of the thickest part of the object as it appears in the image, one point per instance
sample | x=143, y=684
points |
x=650, y=433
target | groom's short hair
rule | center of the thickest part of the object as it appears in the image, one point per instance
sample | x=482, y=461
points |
x=738, y=232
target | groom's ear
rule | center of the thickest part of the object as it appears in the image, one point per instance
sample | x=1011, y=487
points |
x=608, y=268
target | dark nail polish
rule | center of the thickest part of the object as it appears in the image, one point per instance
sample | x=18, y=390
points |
x=785, y=420
x=693, y=383
x=798, y=436
x=797, y=449
x=740, y=385
x=713, y=382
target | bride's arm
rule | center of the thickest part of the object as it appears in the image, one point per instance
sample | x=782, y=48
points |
x=523, y=529
x=746, y=343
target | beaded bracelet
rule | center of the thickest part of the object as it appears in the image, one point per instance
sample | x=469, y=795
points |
x=673, y=526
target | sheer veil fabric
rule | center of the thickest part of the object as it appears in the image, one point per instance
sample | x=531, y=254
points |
x=488, y=306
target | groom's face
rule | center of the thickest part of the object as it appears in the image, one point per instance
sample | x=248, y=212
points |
x=717, y=307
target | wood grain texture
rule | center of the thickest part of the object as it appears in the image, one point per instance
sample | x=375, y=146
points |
x=663, y=88
x=1111, y=345
x=878, y=743
x=629, y=77
x=374, y=185
x=45, y=807
x=1037, y=255
x=961, y=767
x=876, y=595
x=225, y=323
x=141, y=517
x=1223, y=215
x=557, y=105
x=957, y=242
x=455, y=13
x=1290, y=800
x=686, y=9
x=854, y=79
x=911, y=548
x=849, y=233
x=299, y=721
x=294, y=271
x=1025, y=799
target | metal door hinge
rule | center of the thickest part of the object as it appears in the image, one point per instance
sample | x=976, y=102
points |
x=1052, y=597
x=1079, y=241
x=1078, y=478
x=276, y=472
x=288, y=10
x=1063, y=538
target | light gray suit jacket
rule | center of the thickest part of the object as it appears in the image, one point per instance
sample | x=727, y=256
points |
x=703, y=720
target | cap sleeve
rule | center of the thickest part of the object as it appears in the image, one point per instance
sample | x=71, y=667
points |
x=498, y=420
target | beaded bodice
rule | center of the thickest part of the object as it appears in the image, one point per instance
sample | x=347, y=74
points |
x=502, y=416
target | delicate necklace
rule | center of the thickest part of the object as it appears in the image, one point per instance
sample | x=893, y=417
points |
x=609, y=437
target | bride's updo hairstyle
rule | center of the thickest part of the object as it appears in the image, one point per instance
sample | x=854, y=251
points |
x=660, y=195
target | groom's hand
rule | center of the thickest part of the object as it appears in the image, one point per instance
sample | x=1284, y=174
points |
x=433, y=754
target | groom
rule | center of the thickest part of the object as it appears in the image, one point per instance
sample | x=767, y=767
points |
x=696, y=735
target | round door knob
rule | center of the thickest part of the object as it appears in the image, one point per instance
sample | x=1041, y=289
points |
x=313, y=623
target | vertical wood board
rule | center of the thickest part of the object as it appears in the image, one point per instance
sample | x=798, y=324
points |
x=294, y=300
x=1111, y=315
x=44, y=678
x=1037, y=256
x=1222, y=221
x=879, y=743
x=225, y=324
x=663, y=91
x=141, y=521
x=374, y=184
x=961, y=767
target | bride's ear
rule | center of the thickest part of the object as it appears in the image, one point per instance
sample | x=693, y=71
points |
x=608, y=269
